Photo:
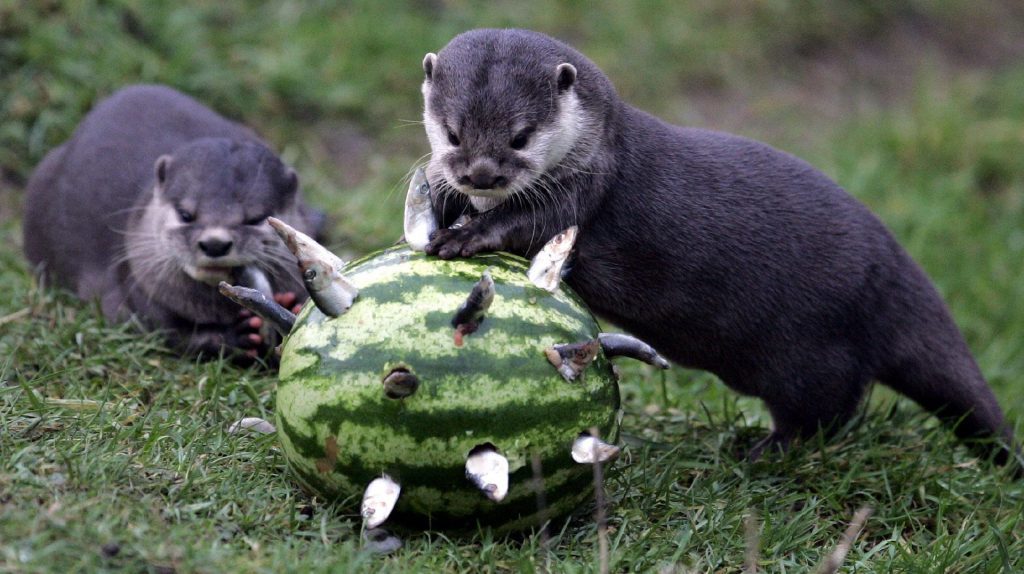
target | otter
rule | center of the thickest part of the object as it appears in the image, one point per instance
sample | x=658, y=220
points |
x=151, y=202
x=723, y=253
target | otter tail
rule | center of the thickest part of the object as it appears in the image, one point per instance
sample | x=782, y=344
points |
x=960, y=397
x=929, y=361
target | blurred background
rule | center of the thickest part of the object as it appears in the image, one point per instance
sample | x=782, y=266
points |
x=915, y=106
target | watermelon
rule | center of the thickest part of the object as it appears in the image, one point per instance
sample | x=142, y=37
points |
x=340, y=428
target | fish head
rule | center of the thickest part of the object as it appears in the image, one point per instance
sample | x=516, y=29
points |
x=315, y=275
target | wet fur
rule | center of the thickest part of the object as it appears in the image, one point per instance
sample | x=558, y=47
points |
x=100, y=223
x=723, y=253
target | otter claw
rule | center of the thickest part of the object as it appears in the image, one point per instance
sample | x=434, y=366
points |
x=459, y=242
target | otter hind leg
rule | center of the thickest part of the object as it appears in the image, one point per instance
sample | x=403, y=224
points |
x=809, y=403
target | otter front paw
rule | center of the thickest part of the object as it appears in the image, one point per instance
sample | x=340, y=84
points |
x=462, y=242
x=249, y=336
x=252, y=335
x=289, y=300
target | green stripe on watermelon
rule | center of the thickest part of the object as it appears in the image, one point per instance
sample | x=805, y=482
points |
x=422, y=427
x=362, y=389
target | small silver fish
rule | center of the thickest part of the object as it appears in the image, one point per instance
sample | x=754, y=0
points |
x=254, y=278
x=572, y=358
x=460, y=221
x=469, y=315
x=420, y=221
x=546, y=268
x=278, y=317
x=488, y=470
x=321, y=270
x=379, y=500
x=622, y=345
x=587, y=449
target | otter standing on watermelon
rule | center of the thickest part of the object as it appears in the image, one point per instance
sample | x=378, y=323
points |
x=723, y=253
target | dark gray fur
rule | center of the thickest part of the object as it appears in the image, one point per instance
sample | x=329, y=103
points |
x=87, y=198
x=723, y=253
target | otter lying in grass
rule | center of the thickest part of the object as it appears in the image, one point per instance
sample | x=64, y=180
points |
x=151, y=203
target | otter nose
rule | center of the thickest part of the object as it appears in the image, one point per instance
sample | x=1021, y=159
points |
x=487, y=180
x=483, y=175
x=483, y=180
x=214, y=247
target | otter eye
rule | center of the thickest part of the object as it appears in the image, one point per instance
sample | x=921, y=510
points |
x=521, y=139
x=452, y=138
x=185, y=216
x=255, y=220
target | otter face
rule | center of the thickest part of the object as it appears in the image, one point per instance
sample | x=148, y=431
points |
x=208, y=214
x=498, y=121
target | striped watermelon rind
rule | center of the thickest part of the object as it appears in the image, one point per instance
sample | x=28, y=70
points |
x=339, y=431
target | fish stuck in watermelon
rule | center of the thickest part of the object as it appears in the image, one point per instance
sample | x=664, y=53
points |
x=387, y=409
x=321, y=270
x=419, y=221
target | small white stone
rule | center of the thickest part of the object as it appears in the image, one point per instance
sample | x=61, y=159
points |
x=379, y=500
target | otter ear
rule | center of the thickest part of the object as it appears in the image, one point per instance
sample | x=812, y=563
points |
x=291, y=181
x=566, y=76
x=429, y=61
x=163, y=163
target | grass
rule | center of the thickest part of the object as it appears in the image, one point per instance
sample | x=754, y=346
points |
x=114, y=453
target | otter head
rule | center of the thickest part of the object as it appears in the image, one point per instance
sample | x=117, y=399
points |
x=503, y=113
x=206, y=219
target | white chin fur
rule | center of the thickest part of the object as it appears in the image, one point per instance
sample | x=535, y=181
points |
x=209, y=275
x=484, y=199
x=482, y=203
